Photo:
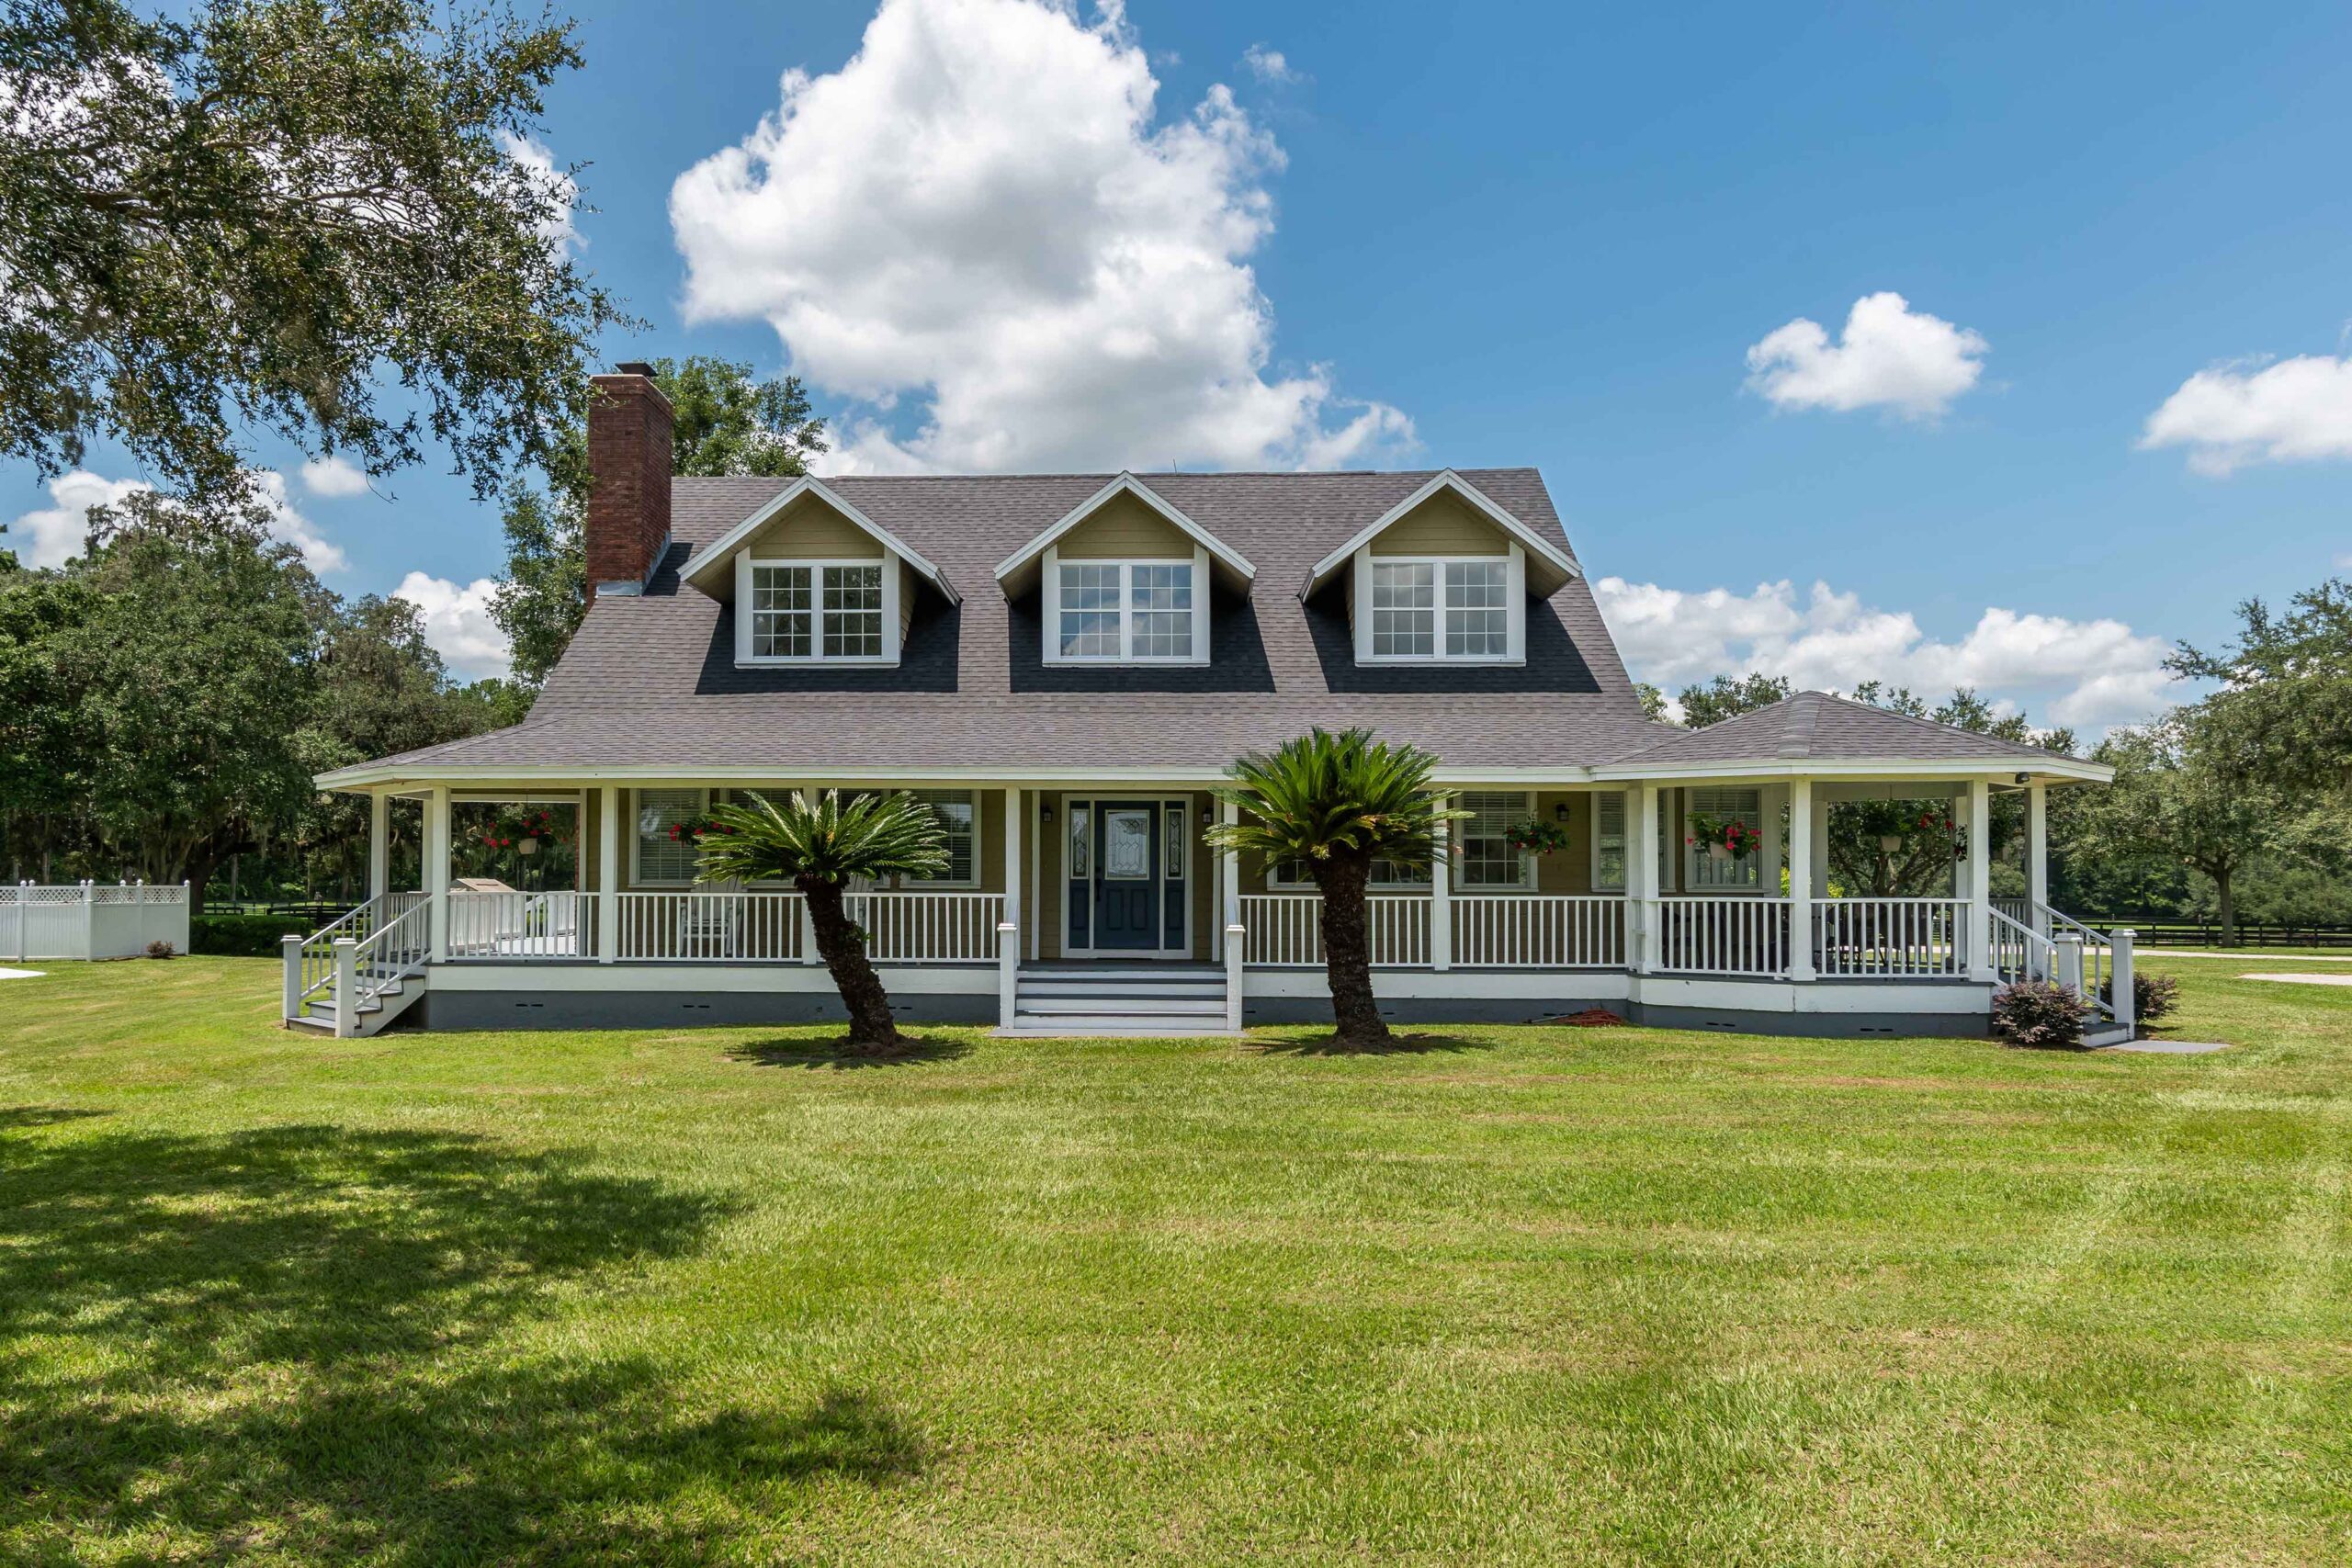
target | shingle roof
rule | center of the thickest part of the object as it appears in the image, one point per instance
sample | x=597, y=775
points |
x=1820, y=727
x=652, y=681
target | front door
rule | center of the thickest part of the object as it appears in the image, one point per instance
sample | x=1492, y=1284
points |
x=1129, y=880
x=1126, y=879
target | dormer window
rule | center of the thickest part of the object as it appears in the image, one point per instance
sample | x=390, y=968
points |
x=1425, y=609
x=1132, y=612
x=819, y=611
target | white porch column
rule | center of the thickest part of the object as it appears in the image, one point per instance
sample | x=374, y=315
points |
x=1800, y=879
x=1979, y=818
x=1641, y=879
x=437, y=867
x=608, y=874
x=2037, y=856
x=1442, y=897
x=1229, y=908
x=379, y=841
x=1014, y=913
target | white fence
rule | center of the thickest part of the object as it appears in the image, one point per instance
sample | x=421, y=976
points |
x=704, y=927
x=928, y=928
x=90, y=921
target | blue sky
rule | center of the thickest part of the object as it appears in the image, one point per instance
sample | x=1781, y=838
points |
x=1534, y=235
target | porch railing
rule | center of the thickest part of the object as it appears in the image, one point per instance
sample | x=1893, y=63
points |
x=915, y=926
x=1285, y=930
x=519, y=925
x=702, y=926
x=1724, y=935
x=314, y=970
x=1539, y=931
x=1903, y=938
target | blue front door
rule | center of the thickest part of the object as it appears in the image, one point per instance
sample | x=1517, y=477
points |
x=1126, y=875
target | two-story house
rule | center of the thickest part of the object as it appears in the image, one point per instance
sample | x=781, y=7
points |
x=1062, y=664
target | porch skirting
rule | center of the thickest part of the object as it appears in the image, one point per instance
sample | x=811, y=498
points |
x=488, y=996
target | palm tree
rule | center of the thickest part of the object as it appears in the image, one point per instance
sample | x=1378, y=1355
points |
x=819, y=848
x=1332, y=805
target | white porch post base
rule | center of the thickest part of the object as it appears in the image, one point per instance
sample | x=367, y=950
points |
x=1008, y=973
x=290, y=949
x=347, y=987
x=2126, y=1005
x=1236, y=942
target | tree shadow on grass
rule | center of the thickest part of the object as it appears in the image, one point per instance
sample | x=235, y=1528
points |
x=1396, y=1045
x=289, y=1340
x=913, y=1051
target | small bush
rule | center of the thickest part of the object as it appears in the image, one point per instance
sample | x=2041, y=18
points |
x=160, y=949
x=240, y=936
x=2153, y=996
x=2039, y=1013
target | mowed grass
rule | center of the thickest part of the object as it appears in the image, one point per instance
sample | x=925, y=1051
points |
x=1512, y=1295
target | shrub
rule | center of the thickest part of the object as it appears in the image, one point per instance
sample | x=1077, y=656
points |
x=160, y=948
x=2039, y=1013
x=2153, y=996
x=240, y=936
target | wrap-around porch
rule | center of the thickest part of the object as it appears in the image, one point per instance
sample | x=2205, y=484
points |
x=1048, y=876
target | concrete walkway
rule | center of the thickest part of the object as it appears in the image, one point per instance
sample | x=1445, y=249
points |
x=20, y=973
x=2303, y=979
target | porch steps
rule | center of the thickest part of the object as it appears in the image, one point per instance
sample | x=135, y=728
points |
x=395, y=998
x=1157, y=1000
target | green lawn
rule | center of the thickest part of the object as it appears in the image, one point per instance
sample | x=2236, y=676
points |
x=1517, y=1295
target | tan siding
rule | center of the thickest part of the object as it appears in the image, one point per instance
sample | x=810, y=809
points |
x=809, y=529
x=1443, y=526
x=1568, y=870
x=1125, y=528
x=1049, y=879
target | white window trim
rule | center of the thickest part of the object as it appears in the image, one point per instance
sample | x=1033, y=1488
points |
x=1049, y=590
x=745, y=659
x=955, y=883
x=1514, y=608
x=636, y=839
x=1526, y=882
x=1625, y=839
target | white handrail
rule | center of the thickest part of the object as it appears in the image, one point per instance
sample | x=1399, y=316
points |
x=928, y=926
x=2099, y=958
x=515, y=924
x=396, y=950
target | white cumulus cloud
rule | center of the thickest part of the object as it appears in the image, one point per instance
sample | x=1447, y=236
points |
x=2091, y=674
x=979, y=219
x=1890, y=356
x=333, y=476
x=558, y=192
x=458, y=623
x=1269, y=65
x=2296, y=410
x=61, y=531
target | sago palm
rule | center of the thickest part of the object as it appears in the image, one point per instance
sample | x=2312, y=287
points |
x=1332, y=805
x=819, y=849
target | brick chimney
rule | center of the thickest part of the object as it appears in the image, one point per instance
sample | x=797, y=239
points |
x=628, y=478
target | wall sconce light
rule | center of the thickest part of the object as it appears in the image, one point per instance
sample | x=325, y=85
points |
x=1208, y=816
x=2025, y=778
x=1045, y=812
x=1560, y=812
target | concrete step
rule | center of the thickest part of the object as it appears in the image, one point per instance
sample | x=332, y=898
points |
x=1179, y=991
x=1089, y=1026
x=1124, y=1003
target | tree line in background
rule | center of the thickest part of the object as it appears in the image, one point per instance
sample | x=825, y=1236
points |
x=2237, y=807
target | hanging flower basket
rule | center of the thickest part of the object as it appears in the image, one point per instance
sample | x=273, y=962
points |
x=693, y=829
x=1723, y=841
x=1536, y=838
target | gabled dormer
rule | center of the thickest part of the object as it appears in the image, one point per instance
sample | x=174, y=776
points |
x=1443, y=577
x=814, y=582
x=1124, y=578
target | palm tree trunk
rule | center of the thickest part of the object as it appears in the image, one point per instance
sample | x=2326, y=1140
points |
x=1346, y=950
x=871, y=1029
